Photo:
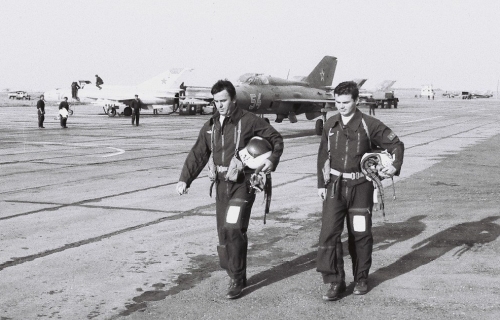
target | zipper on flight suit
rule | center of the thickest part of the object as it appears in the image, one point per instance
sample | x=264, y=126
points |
x=359, y=142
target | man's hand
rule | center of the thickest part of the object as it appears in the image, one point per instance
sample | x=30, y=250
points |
x=181, y=188
x=267, y=167
x=322, y=193
x=387, y=172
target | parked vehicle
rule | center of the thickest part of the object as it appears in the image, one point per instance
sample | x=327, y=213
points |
x=19, y=95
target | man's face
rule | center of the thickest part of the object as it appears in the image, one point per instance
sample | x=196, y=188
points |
x=345, y=104
x=223, y=102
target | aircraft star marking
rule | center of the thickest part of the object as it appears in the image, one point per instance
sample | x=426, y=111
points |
x=322, y=74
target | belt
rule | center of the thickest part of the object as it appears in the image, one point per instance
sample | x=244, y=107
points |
x=351, y=175
x=221, y=169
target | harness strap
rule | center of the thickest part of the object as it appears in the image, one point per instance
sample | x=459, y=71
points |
x=365, y=126
x=217, y=169
x=351, y=175
x=366, y=129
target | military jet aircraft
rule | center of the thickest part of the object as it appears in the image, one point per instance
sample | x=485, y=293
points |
x=360, y=82
x=312, y=95
x=383, y=87
x=155, y=93
x=479, y=94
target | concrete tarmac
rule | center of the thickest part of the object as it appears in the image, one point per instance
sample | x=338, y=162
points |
x=91, y=226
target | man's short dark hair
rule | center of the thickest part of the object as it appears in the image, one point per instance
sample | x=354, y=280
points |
x=222, y=85
x=347, y=88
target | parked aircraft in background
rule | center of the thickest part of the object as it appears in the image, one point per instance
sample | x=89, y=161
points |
x=58, y=94
x=468, y=95
x=479, y=94
x=382, y=88
x=360, y=83
x=382, y=97
x=156, y=93
x=312, y=95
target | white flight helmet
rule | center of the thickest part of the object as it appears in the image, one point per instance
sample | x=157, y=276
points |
x=63, y=112
x=256, y=152
x=372, y=163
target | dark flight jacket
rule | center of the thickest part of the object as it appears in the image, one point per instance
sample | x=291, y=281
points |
x=40, y=105
x=225, y=139
x=136, y=105
x=64, y=105
x=348, y=144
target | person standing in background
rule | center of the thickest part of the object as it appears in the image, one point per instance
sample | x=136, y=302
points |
x=64, y=113
x=40, y=106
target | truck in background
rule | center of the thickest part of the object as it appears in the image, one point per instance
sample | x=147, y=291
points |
x=19, y=95
x=382, y=97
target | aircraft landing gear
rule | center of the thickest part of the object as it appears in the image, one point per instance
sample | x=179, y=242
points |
x=279, y=118
x=111, y=112
x=127, y=111
x=319, y=127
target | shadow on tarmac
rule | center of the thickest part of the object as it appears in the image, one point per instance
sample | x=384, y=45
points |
x=384, y=236
x=463, y=236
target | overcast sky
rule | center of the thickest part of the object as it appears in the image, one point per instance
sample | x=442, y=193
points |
x=454, y=45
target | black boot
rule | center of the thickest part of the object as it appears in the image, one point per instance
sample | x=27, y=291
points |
x=236, y=287
x=336, y=288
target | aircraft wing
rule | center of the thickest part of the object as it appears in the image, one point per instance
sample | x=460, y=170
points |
x=198, y=92
x=127, y=97
x=307, y=100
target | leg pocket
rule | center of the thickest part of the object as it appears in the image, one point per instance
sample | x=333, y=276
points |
x=360, y=220
x=234, y=213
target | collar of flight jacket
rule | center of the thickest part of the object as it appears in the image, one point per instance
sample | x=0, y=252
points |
x=353, y=124
x=233, y=117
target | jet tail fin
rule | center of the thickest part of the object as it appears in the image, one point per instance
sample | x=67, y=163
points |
x=322, y=75
x=172, y=79
x=385, y=85
x=360, y=82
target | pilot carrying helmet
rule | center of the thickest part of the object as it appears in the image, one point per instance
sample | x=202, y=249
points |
x=256, y=151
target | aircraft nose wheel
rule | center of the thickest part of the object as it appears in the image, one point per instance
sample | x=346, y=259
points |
x=111, y=112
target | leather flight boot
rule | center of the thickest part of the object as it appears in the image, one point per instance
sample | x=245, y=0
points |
x=236, y=287
x=336, y=288
x=361, y=287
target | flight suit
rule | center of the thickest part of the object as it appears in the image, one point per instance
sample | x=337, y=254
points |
x=74, y=90
x=63, y=104
x=233, y=242
x=40, y=105
x=350, y=198
x=136, y=110
x=98, y=82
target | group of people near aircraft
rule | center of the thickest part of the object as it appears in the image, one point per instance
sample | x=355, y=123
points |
x=241, y=150
x=240, y=165
x=63, y=112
